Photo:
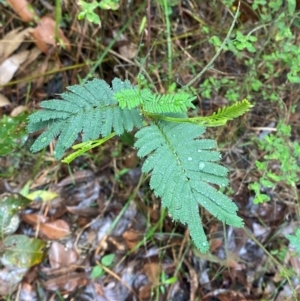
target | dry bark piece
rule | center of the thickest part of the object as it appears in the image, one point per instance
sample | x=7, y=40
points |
x=24, y=10
x=44, y=35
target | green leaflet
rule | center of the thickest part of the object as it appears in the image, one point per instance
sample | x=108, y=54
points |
x=224, y=114
x=218, y=118
x=90, y=109
x=182, y=167
x=84, y=147
x=155, y=103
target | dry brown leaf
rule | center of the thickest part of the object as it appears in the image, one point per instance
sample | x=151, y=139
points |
x=24, y=10
x=49, y=230
x=60, y=256
x=54, y=230
x=28, y=291
x=18, y=110
x=152, y=270
x=132, y=238
x=33, y=219
x=4, y=101
x=77, y=176
x=9, y=280
x=128, y=50
x=11, y=41
x=9, y=67
x=30, y=62
x=44, y=35
x=145, y=292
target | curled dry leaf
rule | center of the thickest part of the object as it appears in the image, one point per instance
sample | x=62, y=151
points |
x=18, y=110
x=44, y=35
x=128, y=49
x=11, y=65
x=24, y=10
x=11, y=41
x=4, y=101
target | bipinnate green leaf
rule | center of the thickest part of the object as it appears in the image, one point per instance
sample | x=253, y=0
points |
x=183, y=167
x=90, y=109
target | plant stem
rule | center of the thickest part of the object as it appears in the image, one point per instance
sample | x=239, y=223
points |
x=169, y=42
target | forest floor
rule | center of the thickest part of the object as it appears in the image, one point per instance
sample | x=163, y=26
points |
x=93, y=229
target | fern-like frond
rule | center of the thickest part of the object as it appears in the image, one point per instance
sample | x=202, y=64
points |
x=168, y=103
x=90, y=109
x=155, y=103
x=182, y=167
x=131, y=98
x=224, y=114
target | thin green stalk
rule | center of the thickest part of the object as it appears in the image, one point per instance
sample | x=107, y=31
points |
x=57, y=18
x=169, y=42
x=218, y=118
x=210, y=64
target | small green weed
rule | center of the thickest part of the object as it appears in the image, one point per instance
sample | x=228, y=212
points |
x=165, y=281
x=12, y=133
x=295, y=240
x=280, y=163
x=87, y=9
x=99, y=270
